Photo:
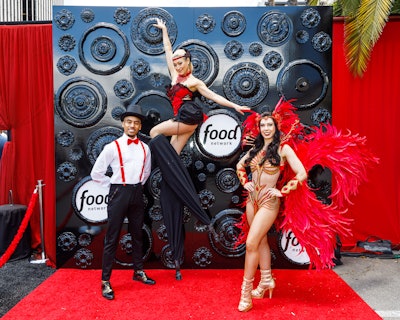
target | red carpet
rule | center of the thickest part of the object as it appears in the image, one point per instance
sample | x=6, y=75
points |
x=202, y=294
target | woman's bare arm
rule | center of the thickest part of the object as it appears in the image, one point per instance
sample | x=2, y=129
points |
x=167, y=46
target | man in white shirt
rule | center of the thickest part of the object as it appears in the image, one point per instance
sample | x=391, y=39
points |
x=130, y=161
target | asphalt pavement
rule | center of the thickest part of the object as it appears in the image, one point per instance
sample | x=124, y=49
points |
x=376, y=280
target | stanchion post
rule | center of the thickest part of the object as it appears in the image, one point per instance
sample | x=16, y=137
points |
x=40, y=186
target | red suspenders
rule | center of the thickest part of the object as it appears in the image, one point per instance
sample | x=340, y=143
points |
x=122, y=163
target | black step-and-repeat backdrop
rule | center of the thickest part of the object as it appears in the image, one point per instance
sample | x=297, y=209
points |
x=108, y=57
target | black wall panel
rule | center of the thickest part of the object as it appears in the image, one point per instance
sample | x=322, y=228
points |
x=108, y=57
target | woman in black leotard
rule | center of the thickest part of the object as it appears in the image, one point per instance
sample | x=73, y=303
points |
x=177, y=188
x=187, y=115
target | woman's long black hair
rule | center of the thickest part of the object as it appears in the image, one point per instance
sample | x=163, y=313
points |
x=272, y=154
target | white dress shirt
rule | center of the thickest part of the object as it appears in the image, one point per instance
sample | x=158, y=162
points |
x=134, y=160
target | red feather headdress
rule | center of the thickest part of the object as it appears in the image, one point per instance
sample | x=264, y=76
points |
x=285, y=116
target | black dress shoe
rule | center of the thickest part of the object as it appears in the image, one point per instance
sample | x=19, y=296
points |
x=141, y=276
x=107, y=290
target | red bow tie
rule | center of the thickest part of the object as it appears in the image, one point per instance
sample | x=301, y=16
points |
x=135, y=141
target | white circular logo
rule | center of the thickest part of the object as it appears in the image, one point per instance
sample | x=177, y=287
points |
x=90, y=200
x=292, y=249
x=220, y=135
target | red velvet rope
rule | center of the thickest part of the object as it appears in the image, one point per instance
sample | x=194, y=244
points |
x=24, y=224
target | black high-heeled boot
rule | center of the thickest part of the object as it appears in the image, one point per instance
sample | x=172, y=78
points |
x=178, y=275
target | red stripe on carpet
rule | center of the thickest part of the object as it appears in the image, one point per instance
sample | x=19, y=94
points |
x=202, y=294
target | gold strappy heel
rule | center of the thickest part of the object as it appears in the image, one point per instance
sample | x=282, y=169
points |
x=246, y=302
x=266, y=282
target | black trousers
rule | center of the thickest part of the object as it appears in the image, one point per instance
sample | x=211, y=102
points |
x=177, y=191
x=172, y=208
x=124, y=201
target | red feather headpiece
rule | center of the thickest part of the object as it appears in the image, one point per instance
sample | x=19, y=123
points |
x=284, y=114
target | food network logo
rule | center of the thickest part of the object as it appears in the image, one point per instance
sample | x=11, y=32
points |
x=220, y=135
x=90, y=200
x=292, y=249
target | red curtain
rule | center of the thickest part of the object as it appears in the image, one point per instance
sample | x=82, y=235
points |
x=26, y=109
x=368, y=106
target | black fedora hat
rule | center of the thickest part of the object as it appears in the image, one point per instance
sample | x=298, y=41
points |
x=133, y=110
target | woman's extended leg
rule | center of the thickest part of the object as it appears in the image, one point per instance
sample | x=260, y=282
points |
x=258, y=251
x=259, y=227
x=178, y=142
x=180, y=132
x=246, y=302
